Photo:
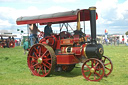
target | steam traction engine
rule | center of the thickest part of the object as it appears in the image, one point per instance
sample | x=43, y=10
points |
x=64, y=50
x=8, y=42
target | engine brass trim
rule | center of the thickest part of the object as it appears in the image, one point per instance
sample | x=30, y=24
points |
x=100, y=50
x=85, y=52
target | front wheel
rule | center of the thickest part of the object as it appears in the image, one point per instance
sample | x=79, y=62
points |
x=93, y=69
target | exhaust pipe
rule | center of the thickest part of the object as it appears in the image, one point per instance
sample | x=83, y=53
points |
x=93, y=24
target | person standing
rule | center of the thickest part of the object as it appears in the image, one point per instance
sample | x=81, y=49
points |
x=117, y=41
x=48, y=30
x=33, y=34
x=110, y=41
x=25, y=46
x=122, y=39
x=106, y=41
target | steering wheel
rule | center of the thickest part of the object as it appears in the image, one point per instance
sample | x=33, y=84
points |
x=41, y=35
x=64, y=35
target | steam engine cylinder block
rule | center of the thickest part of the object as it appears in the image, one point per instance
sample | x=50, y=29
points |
x=94, y=51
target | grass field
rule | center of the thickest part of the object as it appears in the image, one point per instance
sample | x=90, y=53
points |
x=14, y=70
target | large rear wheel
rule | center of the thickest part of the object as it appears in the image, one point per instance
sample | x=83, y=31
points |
x=41, y=60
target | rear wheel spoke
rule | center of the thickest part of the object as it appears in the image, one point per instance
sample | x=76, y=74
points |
x=41, y=60
x=36, y=50
x=33, y=57
x=46, y=66
x=36, y=54
x=42, y=70
x=34, y=65
x=45, y=69
x=44, y=53
x=48, y=63
x=39, y=70
x=47, y=59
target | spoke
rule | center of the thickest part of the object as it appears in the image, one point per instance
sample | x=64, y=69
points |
x=46, y=66
x=42, y=70
x=36, y=50
x=92, y=63
x=94, y=77
x=97, y=74
x=33, y=61
x=96, y=65
x=44, y=53
x=99, y=69
x=104, y=59
x=89, y=75
x=108, y=68
x=86, y=70
x=47, y=59
x=45, y=69
x=107, y=64
x=39, y=49
x=48, y=63
x=32, y=57
x=48, y=54
x=34, y=65
x=36, y=54
x=88, y=66
x=39, y=70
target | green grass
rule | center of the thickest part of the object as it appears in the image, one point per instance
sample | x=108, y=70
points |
x=14, y=70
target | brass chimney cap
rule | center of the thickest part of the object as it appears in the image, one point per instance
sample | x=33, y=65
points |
x=92, y=8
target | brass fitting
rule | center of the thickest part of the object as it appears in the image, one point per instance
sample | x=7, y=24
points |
x=92, y=8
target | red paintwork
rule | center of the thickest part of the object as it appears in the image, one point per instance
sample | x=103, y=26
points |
x=63, y=19
x=66, y=42
x=65, y=56
x=50, y=40
x=74, y=50
x=58, y=44
x=53, y=20
x=34, y=65
x=76, y=38
x=66, y=59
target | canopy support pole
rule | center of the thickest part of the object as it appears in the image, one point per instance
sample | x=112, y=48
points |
x=78, y=21
x=84, y=20
x=28, y=35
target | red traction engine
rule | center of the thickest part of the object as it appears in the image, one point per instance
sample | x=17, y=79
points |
x=9, y=42
x=61, y=52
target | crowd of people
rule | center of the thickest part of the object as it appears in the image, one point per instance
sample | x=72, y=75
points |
x=113, y=41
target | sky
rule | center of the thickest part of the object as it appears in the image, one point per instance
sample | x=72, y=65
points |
x=112, y=14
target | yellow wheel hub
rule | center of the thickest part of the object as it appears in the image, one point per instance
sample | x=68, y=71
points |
x=39, y=60
x=92, y=70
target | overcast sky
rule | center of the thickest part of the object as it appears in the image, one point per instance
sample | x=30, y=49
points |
x=112, y=14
